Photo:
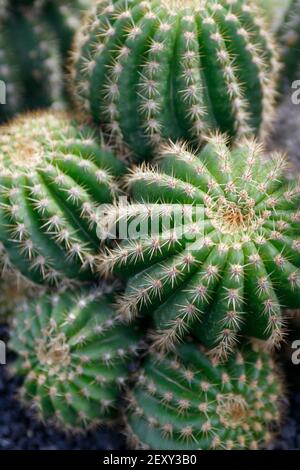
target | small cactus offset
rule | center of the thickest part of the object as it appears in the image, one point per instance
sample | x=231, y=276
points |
x=234, y=260
x=150, y=70
x=186, y=402
x=289, y=39
x=73, y=355
x=53, y=176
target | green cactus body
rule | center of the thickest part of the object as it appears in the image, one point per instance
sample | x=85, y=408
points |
x=53, y=176
x=154, y=70
x=223, y=271
x=289, y=39
x=73, y=355
x=186, y=402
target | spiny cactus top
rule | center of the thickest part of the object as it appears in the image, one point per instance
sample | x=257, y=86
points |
x=230, y=260
x=186, y=402
x=289, y=39
x=150, y=70
x=73, y=355
x=53, y=175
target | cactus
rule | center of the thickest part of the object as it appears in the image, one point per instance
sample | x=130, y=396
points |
x=53, y=177
x=73, y=355
x=230, y=265
x=150, y=70
x=186, y=402
x=289, y=39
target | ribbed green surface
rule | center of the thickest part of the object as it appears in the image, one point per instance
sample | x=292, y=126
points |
x=153, y=70
x=73, y=355
x=54, y=174
x=229, y=265
x=186, y=402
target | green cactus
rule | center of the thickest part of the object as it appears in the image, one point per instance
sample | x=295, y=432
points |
x=53, y=176
x=186, y=402
x=73, y=355
x=154, y=70
x=228, y=265
x=289, y=39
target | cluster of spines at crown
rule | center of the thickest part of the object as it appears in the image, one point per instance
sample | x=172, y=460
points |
x=168, y=104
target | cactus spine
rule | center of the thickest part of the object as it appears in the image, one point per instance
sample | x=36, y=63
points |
x=220, y=272
x=186, y=402
x=150, y=70
x=73, y=355
x=53, y=176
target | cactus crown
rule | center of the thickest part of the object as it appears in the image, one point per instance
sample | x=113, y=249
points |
x=73, y=355
x=130, y=54
x=53, y=177
x=184, y=401
x=220, y=271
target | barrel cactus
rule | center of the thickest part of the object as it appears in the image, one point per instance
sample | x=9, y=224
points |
x=227, y=263
x=73, y=355
x=150, y=70
x=186, y=402
x=53, y=175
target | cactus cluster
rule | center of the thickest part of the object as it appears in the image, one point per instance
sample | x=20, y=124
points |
x=149, y=71
x=53, y=175
x=73, y=355
x=184, y=401
x=221, y=271
x=208, y=248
